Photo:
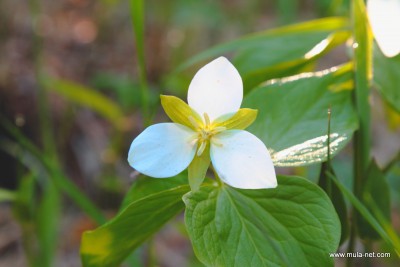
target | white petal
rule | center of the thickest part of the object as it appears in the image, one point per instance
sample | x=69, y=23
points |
x=384, y=16
x=242, y=160
x=216, y=89
x=162, y=150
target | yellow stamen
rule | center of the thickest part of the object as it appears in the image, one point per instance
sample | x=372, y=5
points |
x=216, y=143
x=207, y=119
x=201, y=148
x=218, y=129
x=204, y=133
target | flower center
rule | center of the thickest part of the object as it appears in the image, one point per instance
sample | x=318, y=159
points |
x=204, y=133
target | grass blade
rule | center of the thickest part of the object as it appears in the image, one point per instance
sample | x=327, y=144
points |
x=137, y=14
x=389, y=237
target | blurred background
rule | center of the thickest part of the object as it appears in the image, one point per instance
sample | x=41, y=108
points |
x=71, y=101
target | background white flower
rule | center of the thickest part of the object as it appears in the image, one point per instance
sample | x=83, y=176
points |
x=384, y=17
x=209, y=129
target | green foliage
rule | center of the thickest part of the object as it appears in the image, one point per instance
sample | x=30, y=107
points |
x=87, y=97
x=6, y=195
x=336, y=197
x=137, y=16
x=387, y=77
x=279, y=52
x=292, y=225
x=295, y=224
x=381, y=226
x=125, y=89
x=393, y=178
x=110, y=244
x=47, y=220
x=376, y=190
x=293, y=126
x=145, y=186
x=39, y=217
x=38, y=161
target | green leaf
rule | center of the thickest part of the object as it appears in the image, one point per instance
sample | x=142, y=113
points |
x=87, y=97
x=375, y=189
x=383, y=228
x=292, y=120
x=292, y=225
x=110, y=244
x=126, y=89
x=392, y=172
x=337, y=199
x=387, y=78
x=279, y=52
x=283, y=56
x=145, y=186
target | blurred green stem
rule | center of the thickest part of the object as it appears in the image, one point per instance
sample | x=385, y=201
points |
x=137, y=14
x=50, y=205
x=62, y=182
x=362, y=75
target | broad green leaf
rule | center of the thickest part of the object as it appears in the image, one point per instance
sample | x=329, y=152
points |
x=292, y=225
x=392, y=117
x=376, y=189
x=279, y=52
x=387, y=77
x=393, y=178
x=145, y=186
x=336, y=197
x=87, y=97
x=110, y=244
x=326, y=24
x=6, y=195
x=292, y=115
x=283, y=56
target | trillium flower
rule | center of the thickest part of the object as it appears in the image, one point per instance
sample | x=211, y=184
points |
x=208, y=130
x=384, y=17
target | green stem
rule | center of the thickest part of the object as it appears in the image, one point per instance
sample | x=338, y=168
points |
x=362, y=75
x=50, y=204
x=137, y=15
x=64, y=184
x=328, y=159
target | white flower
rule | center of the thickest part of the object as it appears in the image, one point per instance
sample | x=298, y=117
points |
x=239, y=158
x=384, y=17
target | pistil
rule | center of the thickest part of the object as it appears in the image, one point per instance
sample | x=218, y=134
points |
x=205, y=133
